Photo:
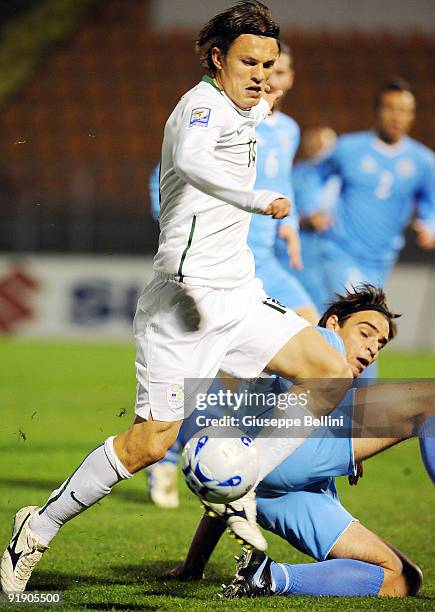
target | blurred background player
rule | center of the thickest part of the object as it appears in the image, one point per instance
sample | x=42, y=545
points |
x=315, y=201
x=277, y=142
x=385, y=175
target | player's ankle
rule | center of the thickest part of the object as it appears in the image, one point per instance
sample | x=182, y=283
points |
x=42, y=528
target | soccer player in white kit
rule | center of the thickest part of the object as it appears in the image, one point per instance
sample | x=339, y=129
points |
x=204, y=310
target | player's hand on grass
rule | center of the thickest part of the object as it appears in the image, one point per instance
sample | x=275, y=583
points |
x=278, y=209
x=182, y=573
x=425, y=238
x=291, y=236
x=353, y=479
x=272, y=96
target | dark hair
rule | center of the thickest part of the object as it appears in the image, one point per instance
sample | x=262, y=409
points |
x=393, y=84
x=248, y=17
x=362, y=297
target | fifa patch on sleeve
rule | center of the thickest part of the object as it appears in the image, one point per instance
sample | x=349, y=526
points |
x=200, y=116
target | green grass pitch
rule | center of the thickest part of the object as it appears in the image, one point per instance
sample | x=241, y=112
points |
x=59, y=400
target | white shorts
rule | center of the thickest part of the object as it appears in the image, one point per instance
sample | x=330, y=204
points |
x=240, y=331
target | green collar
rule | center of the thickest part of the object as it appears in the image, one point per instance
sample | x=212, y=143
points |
x=208, y=79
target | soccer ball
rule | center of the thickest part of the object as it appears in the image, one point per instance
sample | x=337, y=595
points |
x=220, y=469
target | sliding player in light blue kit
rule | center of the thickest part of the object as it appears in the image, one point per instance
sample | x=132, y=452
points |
x=299, y=501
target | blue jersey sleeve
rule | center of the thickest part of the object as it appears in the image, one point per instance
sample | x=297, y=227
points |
x=333, y=339
x=154, y=186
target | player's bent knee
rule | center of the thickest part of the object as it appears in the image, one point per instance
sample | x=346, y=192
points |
x=413, y=576
x=144, y=444
x=136, y=457
x=401, y=579
x=156, y=451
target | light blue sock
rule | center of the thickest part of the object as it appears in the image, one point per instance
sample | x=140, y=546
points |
x=339, y=577
x=172, y=454
x=427, y=446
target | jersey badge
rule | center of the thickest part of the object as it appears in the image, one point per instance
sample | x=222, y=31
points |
x=405, y=168
x=175, y=395
x=200, y=116
x=368, y=164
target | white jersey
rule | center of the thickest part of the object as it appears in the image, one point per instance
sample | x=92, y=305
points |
x=206, y=186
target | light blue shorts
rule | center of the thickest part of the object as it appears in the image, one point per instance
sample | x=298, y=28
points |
x=282, y=285
x=299, y=501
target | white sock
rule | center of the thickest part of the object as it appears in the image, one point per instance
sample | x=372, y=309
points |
x=272, y=451
x=90, y=482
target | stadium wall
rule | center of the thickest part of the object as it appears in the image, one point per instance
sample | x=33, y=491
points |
x=333, y=15
x=80, y=297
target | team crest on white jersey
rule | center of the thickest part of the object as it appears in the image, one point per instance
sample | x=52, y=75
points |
x=369, y=164
x=200, y=116
x=405, y=168
x=175, y=395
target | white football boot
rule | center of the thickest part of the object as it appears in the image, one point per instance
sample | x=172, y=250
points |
x=163, y=484
x=22, y=554
x=240, y=517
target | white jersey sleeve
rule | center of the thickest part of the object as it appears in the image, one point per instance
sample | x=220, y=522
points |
x=195, y=160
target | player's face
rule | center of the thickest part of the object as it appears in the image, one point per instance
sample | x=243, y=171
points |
x=242, y=73
x=395, y=115
x=282, y=74
x=364, y=334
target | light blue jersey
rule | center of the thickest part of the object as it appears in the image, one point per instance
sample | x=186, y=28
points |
x=277, y=142
x=381, y=187
x=381, y=184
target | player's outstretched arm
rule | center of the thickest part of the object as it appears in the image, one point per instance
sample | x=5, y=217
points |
x=195, y=162
x=207, y=535
x=395, y=410
x=386, y=414
x=291, y=235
